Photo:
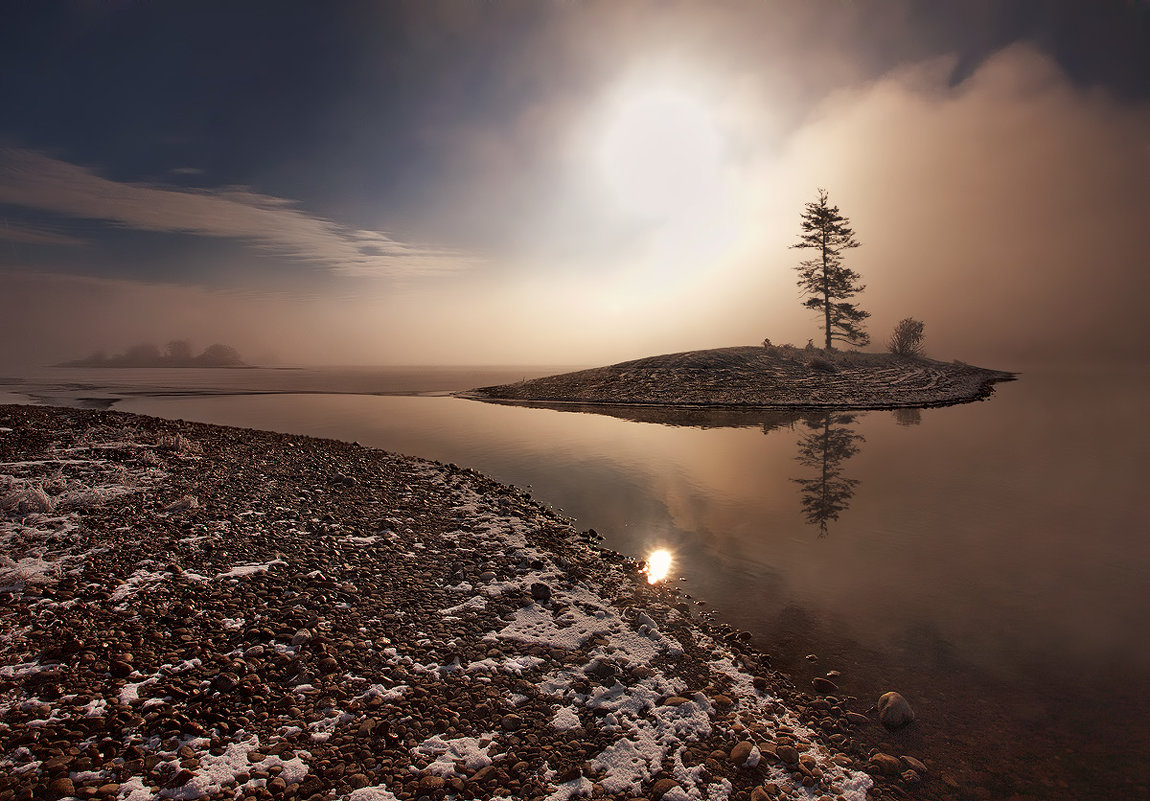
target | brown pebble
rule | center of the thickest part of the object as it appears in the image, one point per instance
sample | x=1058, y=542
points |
x=740, y=753
x=788, y=754
x=61, y=788
x=181, y=778
x=884, y=764
x=914, y=764
x=823, y=686
x=430, y=783
x=662, y=787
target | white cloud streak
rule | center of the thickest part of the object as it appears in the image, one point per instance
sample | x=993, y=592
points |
x=32, y=180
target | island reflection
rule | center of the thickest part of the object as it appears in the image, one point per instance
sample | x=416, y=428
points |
x=831, y=439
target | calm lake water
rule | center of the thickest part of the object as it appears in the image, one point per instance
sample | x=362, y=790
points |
x=990, y=561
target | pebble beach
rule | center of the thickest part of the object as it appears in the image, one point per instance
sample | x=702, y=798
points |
x=197, y=612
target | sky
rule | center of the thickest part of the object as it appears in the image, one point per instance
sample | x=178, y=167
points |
x=560, y=182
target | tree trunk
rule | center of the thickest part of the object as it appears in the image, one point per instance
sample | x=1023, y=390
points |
x=826, y=297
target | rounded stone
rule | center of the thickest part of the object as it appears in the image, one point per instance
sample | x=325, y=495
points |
x=884, y=764
x=430, y=783
x=61, y=788
x=823, y=686
x=914, y=764
x=662, y=787
x=787, y=754
x=893, y=711
x=740, y=753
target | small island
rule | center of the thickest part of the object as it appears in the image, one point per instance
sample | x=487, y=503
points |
x=177, y=353
x=769, y=376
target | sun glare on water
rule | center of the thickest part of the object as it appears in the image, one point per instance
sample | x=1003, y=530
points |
x=658, y=565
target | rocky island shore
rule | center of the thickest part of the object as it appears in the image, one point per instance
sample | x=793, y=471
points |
x=770, y=377
x=197, y=612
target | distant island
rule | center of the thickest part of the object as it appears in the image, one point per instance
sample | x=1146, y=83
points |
x=761, y=377
x=177, y=353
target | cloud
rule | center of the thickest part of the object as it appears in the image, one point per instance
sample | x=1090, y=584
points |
x=33, y=180
x=27, y=234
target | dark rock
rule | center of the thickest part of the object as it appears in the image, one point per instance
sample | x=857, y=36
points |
x=61, y=788
x=540, y=592
x=787, y=754
x=893, y=711
x=430, y=783
x=884, y=764
x=913, y=764
x=823, y=686
x=740, y=753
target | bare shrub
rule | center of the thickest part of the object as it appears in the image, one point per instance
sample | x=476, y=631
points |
x=82, y=498
x=149, y=457
x=182, y=504
x=178, y=443
x=907, y=338
x=24, y=500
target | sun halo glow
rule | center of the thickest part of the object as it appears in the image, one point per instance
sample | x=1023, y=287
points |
x=662, y=155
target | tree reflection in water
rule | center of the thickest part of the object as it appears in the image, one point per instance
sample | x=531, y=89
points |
x=831, y=441
x=907, y=417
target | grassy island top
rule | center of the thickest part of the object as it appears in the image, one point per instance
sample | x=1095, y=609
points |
x=762, y=377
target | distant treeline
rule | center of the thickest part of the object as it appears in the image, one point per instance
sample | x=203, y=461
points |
x=177, y=353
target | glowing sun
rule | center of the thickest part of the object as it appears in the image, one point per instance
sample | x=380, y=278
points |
x=662, y=155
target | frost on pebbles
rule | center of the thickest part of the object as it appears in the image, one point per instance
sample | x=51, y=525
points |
x=230, y=614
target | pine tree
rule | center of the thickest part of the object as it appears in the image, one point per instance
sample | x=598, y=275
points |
x=827, y=283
